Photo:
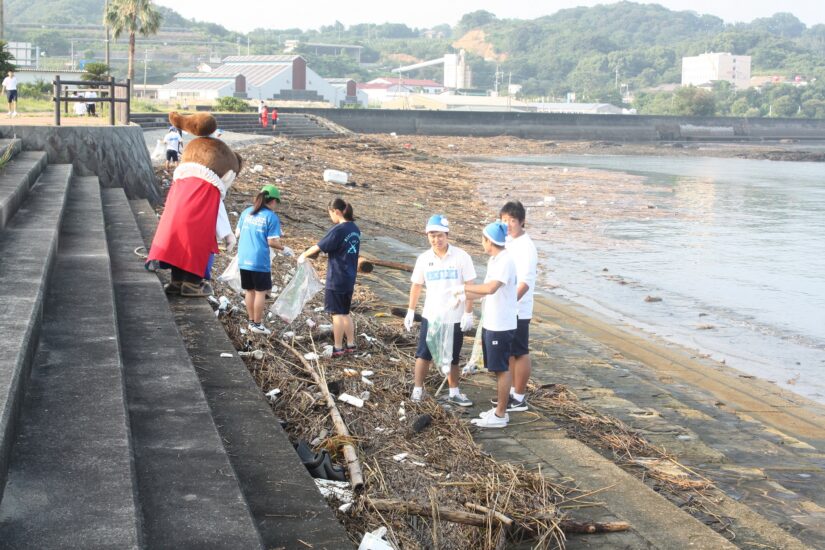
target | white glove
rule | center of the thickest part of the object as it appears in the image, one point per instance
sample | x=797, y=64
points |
x=287, y=251
x=408, y=319
x=230, y=241
x=455, y=296
x=467, y=321
x=301, y=259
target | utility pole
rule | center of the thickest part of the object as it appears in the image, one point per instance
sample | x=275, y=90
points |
x=106, y=24
x=2, y=20
x=247, y=45
x=145, y=63
x=239, y=45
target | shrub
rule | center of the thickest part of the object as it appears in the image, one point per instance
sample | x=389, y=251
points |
x=231, y=104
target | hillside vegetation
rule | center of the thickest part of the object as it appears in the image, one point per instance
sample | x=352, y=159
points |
x=606, y=53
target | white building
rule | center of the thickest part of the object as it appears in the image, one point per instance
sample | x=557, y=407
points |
x=705, y=69
x=347, y=92
x=284, y=77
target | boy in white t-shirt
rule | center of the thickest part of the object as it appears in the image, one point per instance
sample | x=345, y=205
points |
x=525, y=256
x=440, y=269
x=10, y=87
x=499, y=319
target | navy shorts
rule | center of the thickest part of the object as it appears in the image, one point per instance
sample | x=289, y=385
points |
x=11, y=95
x=495, y=346
x=256, y=280
x=423, y=352
x=337, y=303
x=171, y=155
x=521, y=340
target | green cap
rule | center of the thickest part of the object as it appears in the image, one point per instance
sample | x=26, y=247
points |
x=271, y=192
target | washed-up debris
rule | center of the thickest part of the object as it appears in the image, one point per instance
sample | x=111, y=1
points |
x=351, y=399
x=256, y=354
x=375, y=541
x=652, y=299
x=225, y=354
x=400, y=457
x=311, y=356
x=336, y=176
x=340, y=490
x=273, y=394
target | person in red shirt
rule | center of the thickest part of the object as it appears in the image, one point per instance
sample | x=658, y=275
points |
x=264, y=116
x=274, y=118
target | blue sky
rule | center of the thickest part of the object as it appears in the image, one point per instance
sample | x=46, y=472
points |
x=246, y=15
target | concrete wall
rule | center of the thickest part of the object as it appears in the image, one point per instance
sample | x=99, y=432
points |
x=557, y=126
x=115, y=154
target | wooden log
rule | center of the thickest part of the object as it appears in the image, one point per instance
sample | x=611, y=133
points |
x=365, y=266
x=392, y=265
x=413, y=509
x=402, y=312
x=586, y=527
x=356, y=477
x=484, y=510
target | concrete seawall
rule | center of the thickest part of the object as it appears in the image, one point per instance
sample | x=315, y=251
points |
x=116, y=154
x=633, y=128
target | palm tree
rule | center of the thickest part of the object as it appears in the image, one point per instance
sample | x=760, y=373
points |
x=132, y=16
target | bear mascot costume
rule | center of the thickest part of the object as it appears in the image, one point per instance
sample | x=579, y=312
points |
x=194, y=218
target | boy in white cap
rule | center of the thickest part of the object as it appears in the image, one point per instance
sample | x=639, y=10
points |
x=440, y=269
x=499, y=319
x=525, y=256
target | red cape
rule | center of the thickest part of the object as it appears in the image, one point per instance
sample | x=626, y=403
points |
x=186, y=233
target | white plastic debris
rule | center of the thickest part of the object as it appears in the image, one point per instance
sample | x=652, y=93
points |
x=375, y=541
x=319, y=309
x=400, y=457
x=369, y=339
x=418, y=463
x=310, y=323
x=213, y=300
x=288, y=334
x=395, y=359
x=311, y=356
x=351, y=399
x=336, y=176
x=327, y=351
x=257, y=354
x=393, y=134
x=223, y=303
x=350, y=372
x=258, y=168
x=367, y=373
x=242, y=330
x=337, y=489
x=324, y=329
x=365, y=395
x=226, y=354
x=367, y=381
x=379, y=429
x=344, y=508
x=272, y=395
x=468, y=369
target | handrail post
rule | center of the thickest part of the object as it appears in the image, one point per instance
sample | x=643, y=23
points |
x=65, y=103
x=56, y=100
x=111, y=101
x=129, y=101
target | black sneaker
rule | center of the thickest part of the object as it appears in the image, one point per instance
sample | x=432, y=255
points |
x=513, y=404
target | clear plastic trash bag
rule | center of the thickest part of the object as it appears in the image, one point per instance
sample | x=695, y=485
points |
x=303, y=286
x=440, y=342
x=232, y=275
x=476, y=360
x=159, y=152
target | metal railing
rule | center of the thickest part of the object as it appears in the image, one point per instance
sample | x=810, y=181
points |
x=118, y=93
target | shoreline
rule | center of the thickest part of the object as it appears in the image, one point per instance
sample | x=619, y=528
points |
x=748, y=437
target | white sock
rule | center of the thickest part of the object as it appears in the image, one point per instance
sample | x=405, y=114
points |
x=512, y=391
x=518, y=396
x=454, y=392
x=417, y=393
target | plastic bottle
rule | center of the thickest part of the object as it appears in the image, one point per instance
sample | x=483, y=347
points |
x=336, y=176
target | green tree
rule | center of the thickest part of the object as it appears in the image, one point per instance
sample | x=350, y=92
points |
x=231, y=104
x=476, y=19
x=95, y=71
x=784, y=106
x=132, y=17
x=6, y=64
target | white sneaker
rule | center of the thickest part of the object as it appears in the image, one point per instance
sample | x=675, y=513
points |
x=488, y=419
x=259, y=328
x=417, y=397
x=14, y=114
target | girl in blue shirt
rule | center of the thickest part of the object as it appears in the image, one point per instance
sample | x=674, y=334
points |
x=259, y=229
x=342, y=245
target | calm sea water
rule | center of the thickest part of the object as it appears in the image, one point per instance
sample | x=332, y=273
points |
x=736, y=252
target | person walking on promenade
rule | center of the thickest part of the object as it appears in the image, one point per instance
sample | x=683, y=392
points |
x=91, y=106
x=342, y=245
x=264, y=116
x=499, y=318
x=10, y=88
x=274, y=118
x=521, y=248
x=438, y=269
x=258, y=230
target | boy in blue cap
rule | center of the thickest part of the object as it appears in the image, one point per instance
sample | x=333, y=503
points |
x=499, y=318
x=440, y=269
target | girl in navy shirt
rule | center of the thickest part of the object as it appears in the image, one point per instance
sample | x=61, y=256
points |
x=342, y=245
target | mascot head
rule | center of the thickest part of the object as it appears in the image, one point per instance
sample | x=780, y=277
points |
x=205, y=150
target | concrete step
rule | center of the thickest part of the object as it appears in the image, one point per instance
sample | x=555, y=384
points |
x=283, y=499
x=28, y=247
x=14, y=145
x=16, y=178
x=70, y=481
x=188, y=492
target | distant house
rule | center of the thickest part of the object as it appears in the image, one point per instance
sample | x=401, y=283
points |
x=703, y=70
x=347, y=92
x=581, y=108
x=284, y=77
x=416, y=85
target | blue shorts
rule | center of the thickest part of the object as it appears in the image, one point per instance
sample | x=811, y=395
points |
x=423, y=352
x=337, y=303
x=256, y=280
x=11, y=95
x=521, y=340
x=495, y=346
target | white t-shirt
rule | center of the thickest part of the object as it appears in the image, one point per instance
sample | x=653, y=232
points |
x=526, y=258
x=499, y=310
x=10, y=83
x=439, y=275
x=172, y=141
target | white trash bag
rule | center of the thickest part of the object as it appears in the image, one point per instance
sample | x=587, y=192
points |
x=159, y=152
x=303, y=286
x=232, y=275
